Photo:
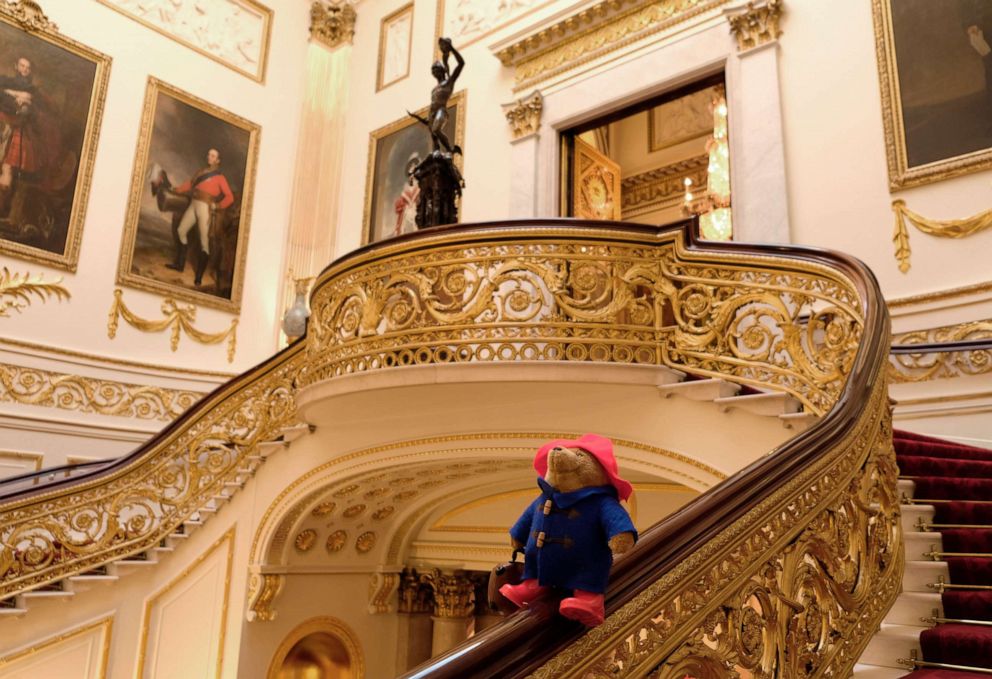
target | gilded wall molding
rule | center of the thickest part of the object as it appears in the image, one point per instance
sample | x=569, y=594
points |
x=179, y=318
x=382, y=586
x=924, y=367
x=949, y=228
x=332, y=22
x=524, y=115
x=146, y=615
x=263, y=588
x=105, y=626
x=234, y=33
x=51, y=389
x=662, y=187
x=16, y=290
x=594, y=32
x=756, y=24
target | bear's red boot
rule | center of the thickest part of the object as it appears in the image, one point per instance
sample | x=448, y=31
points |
x=585, y=607
x=524, y=593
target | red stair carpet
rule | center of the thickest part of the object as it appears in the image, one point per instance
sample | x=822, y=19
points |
x=959, y=481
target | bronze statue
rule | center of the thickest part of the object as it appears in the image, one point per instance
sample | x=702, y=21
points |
x=439, y=180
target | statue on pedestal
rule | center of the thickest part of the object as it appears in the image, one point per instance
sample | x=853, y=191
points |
x=439, y=180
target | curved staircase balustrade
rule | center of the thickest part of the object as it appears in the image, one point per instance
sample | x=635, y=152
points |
x=785, y=569
x=562, y=290
x=71, y=525
x=919, y=360
x=752, y=563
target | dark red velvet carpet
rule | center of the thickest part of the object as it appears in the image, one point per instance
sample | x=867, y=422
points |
x=962, y=475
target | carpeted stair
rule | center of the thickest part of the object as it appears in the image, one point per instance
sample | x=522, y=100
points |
x=957, y=481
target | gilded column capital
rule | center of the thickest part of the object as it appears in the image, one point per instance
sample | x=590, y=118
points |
x=332, y=22
x=756, y=23
x=524, y=115
x=454, y=593
x=415, y=592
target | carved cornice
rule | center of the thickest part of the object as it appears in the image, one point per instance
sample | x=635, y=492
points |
x=756, y=24
x=49, y=389
x=593, y=32
x=28, y=14
x=664, y=186
x=332, y=23
x=524, y=115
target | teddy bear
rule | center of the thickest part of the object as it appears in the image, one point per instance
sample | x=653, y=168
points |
x=573, y=530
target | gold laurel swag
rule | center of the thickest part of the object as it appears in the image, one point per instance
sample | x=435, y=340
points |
x=16, y=290
x=951, y=228
x=179, y=318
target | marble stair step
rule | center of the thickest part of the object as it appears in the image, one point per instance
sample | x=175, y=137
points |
x=760, y=404
x=891, y=643
x=919, y=543
x=905, y=488
x=919, y=574
x=910, y=607
x=864, y=671
x=700, y=390
x=911, y=515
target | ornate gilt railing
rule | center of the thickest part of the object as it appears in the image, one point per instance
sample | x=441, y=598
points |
x=71, y=525
x=607, y=292
x=785, y=569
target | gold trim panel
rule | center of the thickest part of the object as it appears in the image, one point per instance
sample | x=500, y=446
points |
x=50, y=389
x=107, y=623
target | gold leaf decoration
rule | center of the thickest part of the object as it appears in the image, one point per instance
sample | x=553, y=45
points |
x=365, y=542
x=179, y=318
x=951, y=228
x=305, y=540
x=323, y=509
x=16, y=290
x=336, y=541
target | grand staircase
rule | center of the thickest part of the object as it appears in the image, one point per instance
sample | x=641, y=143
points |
x=942, y=621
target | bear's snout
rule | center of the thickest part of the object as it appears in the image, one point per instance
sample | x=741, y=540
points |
x=562, y=460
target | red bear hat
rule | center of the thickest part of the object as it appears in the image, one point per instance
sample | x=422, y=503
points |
x=599, y=447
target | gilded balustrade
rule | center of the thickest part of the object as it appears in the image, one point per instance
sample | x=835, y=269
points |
x=559, y=292
x=796, y=587
x=48, y=535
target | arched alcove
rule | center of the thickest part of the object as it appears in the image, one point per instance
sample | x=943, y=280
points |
x=319, y=648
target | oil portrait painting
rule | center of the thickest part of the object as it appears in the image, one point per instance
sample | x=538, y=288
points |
x=190, y=203
x=935, y=67
x=391, y=191
x=51, y=99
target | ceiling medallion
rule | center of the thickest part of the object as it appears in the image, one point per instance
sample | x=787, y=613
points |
x=305, y=540
x=347, y=490
x=405, y=495
x=336, y=540
x=376, y=492
x=353, y=511
x=383, y=513
x=365, y=542
x=323, y=509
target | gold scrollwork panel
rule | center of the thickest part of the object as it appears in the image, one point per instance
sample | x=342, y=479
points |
x=794, y=588
x=761, y=321
x=924, y=366
x=51, y=535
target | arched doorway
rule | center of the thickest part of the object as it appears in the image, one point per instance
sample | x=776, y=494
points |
x=320, y=648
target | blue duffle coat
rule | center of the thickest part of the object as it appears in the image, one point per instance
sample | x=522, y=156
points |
x=576, y=551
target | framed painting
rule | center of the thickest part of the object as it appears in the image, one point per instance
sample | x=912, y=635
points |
x=52, y=91
x=682, y=119
x=394, y=151
x=189, y=211
x=935, y=73
x=395, y=41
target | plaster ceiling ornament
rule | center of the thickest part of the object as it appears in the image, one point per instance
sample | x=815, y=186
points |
x=323, y=509
x=347, y=490
x=467, y=21
x=383, y=512
x=232, y=32
x=353, y=511
x=365, y=542
x=305, y=540
x=336, y=541
x=332, y=23
x=28, y=14
x=407, y=494
x=376, y=492
x=756, y=24
x=524, y=115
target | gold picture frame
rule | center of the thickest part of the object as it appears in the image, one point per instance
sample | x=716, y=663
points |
x=215, y=127
x=386, y=26
x=916, y=162
x=53, y=203
x=390, y=149
x=258, y=75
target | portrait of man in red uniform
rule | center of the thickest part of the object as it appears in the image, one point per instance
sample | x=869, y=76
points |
x=186, y=235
